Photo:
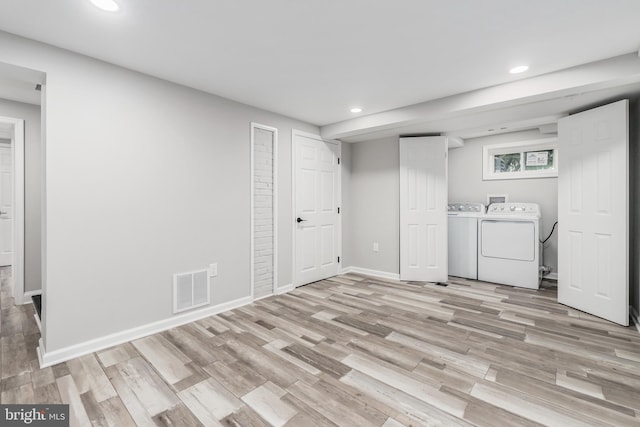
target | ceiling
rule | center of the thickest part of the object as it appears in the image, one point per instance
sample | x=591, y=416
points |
x=314, y=60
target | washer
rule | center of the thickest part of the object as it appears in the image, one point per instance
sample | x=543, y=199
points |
x=509, y=245
x=463, y=238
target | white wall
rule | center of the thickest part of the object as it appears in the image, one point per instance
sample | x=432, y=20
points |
x=466, y=185
x=32, y=158
x=144, y=178
x=374, y=204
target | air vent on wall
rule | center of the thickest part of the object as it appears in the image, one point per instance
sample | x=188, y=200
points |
x=190, y=290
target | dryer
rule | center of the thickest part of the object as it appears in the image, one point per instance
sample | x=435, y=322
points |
x=509, y=245
x=463, y=238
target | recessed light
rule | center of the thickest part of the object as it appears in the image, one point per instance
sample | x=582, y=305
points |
x=356, y=110
x=108, y=5
x=519, y=69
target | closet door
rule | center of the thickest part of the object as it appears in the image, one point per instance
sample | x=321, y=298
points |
x=593, y=212
x=423, y=209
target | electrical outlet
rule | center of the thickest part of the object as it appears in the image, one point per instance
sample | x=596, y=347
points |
x=376, y=247
x=213, y=269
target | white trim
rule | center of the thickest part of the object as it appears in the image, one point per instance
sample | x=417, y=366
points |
x=17, y=263
x=339, y=203
x=635, y=317
x=552, y=276
x=284, y=289
x=251, y=213
x=35, y=316
x=43, y=211
x=275, y=209
x=293, y=204
x=338, y=143
x=488, y=152
x=368, y=272
x=40, y=350
x=57, y=356
x=275, y=205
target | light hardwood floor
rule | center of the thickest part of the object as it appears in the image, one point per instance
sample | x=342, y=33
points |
x=349, y=351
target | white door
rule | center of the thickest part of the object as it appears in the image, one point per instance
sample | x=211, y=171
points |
x=423, y=209
x=316, y=220
x=593, y=212
x=6, y=205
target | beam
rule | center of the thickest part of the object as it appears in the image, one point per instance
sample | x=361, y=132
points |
x=609, y=73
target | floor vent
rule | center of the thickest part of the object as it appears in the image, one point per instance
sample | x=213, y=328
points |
x=190, y=290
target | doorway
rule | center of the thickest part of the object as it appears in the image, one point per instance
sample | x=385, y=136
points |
x=12, y=201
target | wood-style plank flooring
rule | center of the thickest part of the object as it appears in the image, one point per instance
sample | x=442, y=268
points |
x=348, y=351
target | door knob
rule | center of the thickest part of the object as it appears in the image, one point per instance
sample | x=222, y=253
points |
x=299, y=220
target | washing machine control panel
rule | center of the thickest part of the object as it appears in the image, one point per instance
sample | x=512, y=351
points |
x=514, y=208
x=466, y=207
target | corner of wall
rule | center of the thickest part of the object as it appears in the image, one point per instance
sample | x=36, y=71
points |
x=347, y=208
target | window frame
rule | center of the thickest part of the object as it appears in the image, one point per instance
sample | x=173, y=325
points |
x=491, y=150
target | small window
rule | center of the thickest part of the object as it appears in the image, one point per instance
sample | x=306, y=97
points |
x=521, y=160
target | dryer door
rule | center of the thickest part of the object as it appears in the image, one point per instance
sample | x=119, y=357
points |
x=505, y=239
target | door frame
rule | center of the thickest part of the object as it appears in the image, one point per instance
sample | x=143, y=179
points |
x=294, y=134
x=255, y=126
x=17, y=151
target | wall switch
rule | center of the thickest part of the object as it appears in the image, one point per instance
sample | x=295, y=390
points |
x=376, y=247
x=213, y=269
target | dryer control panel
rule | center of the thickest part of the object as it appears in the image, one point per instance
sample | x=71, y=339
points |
x=514, y=209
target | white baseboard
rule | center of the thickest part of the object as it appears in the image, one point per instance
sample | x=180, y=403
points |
x=284, y=289
x=39, y=350
x=635, y=317
x=552, y=276
x=57, y=356
x=35, y=316
x=374, y=273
